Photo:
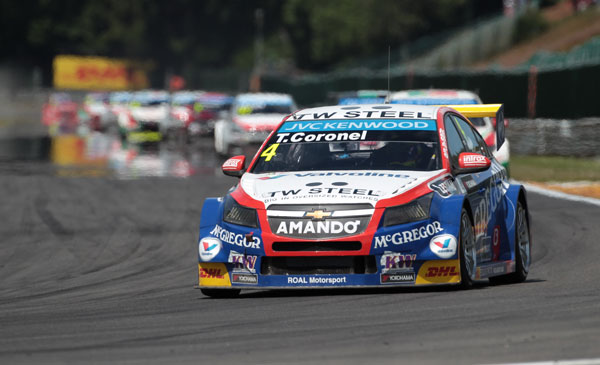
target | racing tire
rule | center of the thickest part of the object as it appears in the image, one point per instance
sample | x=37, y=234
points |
x=522, y=250
x=467, y=251
x=221, y=293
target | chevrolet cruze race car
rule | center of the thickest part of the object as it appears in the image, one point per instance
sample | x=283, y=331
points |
x=367, y=195
x=483, y=125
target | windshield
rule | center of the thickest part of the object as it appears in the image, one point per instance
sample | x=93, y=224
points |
x=264, y=109
x=350, y=150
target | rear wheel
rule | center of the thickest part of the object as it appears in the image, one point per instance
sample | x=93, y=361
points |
x=221, y=293
x=522, y=250
x=468, y=254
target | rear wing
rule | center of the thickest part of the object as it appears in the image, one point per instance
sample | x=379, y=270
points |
x=485, y=110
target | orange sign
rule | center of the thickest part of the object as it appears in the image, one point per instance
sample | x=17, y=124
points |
x=97, y=73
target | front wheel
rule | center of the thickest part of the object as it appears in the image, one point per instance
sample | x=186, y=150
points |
x=221, y=293
x=467, y=252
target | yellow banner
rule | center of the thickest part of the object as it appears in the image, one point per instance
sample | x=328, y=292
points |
x=97, y=73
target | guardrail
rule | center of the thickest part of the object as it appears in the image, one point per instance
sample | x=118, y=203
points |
x=556, y=137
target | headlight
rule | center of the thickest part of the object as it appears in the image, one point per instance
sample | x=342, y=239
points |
x=237, y=214
x=416, y=210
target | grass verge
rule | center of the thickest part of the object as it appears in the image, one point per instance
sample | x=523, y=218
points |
x=554, y=168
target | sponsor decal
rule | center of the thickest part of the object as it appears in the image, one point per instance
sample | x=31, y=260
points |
x=395, y=261
x=316, y=280
x=325, y=227
x=488, y=205
x=213, y=274
x=472, y=160
x=209, y=248
x=436, y=271
x=242, y=262
x=468, y=182
x=443, y=245
x=412, y=235
x=439, y=272
x=496, y=243
x=495, y=269
x=316, y=191
x=444, y=186
x=444, y=143
x=232, y=238
x=233, y=163
x=359, y=125
x=398, y=277
x=244, y=278
x=301, y=137
x=373, y=114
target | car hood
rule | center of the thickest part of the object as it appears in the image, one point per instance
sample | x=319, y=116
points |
x=331, y=187
x=258, y=122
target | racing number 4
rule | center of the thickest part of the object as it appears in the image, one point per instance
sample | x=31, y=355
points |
x=269, y=152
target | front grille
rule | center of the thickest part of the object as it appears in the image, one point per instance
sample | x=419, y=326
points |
x=317, y=246
x=316, y=265
x=319, y=221
x=149, y=126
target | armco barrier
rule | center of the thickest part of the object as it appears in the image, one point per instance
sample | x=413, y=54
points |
x=562, y=93
x=557, y=137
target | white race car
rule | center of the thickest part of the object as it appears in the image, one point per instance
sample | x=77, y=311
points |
x=485, y=126
x=253, y=116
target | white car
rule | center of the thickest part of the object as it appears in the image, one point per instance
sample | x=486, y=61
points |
x=484, y=126
x=147, y=116
x=253, y=116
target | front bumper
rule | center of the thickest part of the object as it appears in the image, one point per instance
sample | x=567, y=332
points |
x=227, y=275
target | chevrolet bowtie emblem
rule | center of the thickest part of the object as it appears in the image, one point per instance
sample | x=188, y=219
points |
x=317, y=214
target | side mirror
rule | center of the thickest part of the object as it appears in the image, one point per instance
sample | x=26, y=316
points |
x=235, y=166
x=472, y=162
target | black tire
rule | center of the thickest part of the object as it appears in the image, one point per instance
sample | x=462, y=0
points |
x=221, y=293
x=522, y=250
x=467, y=251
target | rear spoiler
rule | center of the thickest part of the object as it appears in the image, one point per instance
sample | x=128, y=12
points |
x=485, y=110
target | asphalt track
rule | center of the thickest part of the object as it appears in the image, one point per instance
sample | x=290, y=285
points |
x=96, y=270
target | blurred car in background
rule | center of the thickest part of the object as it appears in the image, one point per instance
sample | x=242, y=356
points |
x=147, y=117
x=60, y=114
x=212, y=107
x=99, y=112
x=360, y=97
x=485, y=126
x=199, y=110
x=253, y=116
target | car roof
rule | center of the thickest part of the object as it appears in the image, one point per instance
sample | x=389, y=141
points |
x=435, y=96
x=377, y=111
x=253, y=98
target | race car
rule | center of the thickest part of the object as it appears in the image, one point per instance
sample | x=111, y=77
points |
x=99, y=112
x=367, y=196
x=253, y=116
x=147, y=117
x=60, y=114
x=361, y=97
x=484, y=125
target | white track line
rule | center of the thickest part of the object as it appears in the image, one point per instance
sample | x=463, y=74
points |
x=559, y=194
x=559, y=362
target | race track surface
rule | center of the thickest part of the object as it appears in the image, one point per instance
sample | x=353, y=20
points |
x=98, y=270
